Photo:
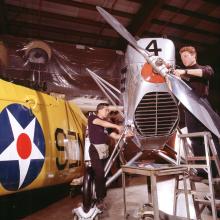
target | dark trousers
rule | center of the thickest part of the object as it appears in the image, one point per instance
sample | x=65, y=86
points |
x=194, y=125
x=98, y=169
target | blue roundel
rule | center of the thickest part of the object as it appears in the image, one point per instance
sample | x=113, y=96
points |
x=22, y=147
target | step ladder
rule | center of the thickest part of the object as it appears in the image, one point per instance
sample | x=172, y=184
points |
x=201, y=199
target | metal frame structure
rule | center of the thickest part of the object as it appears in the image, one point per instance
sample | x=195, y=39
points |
x=208, y=197
x=153, y=173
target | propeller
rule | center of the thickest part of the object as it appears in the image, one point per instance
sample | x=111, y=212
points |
x=153, y=60
x=196, y=105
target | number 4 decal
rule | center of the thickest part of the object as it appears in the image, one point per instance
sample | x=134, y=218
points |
x=154, y=48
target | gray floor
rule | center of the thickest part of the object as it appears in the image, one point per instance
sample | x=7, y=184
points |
x=136, y=195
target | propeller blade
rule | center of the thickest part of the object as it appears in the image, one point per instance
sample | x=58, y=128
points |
x=161, y=69
x=199, y=107
x=118, y=27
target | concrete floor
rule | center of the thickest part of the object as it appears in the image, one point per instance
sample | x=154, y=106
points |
x=136, y=196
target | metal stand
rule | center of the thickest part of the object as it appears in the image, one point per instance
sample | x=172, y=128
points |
x=153, y=171
x=199, y=197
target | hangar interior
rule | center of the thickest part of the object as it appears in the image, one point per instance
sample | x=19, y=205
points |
x=76, y=37
x=78, y=23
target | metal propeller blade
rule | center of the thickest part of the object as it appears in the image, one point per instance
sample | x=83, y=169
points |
x=125, y=34
x=118, y=27
x=197, y=106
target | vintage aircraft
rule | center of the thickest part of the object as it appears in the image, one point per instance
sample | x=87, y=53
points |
x=150, y=92
x=41, y=137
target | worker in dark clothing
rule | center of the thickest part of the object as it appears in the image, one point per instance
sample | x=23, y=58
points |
x=99, y=129
x=197, y=77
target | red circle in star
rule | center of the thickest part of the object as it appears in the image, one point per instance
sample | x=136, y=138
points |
x=24, y=146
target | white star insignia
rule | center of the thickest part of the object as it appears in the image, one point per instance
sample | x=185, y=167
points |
x=11, y=152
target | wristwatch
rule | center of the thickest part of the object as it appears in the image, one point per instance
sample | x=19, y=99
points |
x=186, y=72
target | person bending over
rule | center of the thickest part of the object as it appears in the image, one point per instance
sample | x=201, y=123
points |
x=99, y=130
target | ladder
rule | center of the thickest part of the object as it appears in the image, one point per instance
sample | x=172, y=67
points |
x=199, y=197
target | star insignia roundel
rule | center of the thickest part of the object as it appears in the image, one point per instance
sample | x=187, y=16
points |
x=22, y=147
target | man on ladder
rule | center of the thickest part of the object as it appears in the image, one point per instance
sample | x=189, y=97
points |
x=197, y=77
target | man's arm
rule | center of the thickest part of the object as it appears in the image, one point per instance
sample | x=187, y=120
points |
x=205, y=72
x=188, y=72
x=115, y=135
x=107, y=124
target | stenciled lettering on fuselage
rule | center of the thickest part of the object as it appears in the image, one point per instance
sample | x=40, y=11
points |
x=22, y=147
x=70, y=145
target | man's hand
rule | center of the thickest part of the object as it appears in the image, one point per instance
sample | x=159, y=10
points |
x=120, y=128
x=129, y=133
x=179, y=72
